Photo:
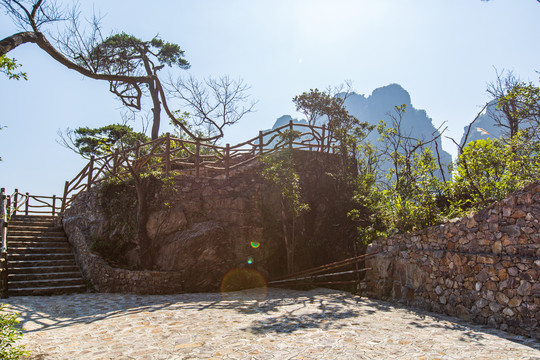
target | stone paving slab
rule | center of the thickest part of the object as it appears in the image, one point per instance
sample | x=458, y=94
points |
x=254, y=324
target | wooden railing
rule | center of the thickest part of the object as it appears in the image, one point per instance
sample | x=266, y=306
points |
x=3, y=252
x=26, y=204
x=196, y=158
x=190, y=157
x=20, y=204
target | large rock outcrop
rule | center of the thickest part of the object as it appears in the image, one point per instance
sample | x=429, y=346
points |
x=206, y=227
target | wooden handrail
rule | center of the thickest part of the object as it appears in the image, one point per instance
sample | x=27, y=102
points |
x=169, y=153
x=4, y=250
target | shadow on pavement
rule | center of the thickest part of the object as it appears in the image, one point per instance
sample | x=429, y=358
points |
x=284, y=311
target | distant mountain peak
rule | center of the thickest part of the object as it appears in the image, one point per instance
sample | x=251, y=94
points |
x=393, y=93
x=285, y=119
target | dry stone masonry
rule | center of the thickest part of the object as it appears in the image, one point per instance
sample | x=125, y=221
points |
x=483, y=268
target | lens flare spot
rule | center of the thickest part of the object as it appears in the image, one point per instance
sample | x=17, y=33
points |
x=250, y=260
x=241, y=279
x=255, y=244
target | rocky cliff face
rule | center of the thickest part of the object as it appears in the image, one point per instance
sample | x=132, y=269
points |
x=207, y=227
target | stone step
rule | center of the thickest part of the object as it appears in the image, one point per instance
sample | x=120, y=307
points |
x=44, y=276
x=24, y=284
x=35, y=223
x=33, y=218
x=16, y=270
x=51, y=290
x=40, y=256
x=39, y=263
x=42, y=244
x=26, y=231
x=17, y=250
x=43, y=237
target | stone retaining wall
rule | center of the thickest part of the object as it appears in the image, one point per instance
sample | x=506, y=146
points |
x=483, y=268
x=105, y=278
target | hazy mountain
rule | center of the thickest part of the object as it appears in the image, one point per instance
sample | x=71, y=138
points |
x=285, y=119
x=484, y=127
x=416, y=123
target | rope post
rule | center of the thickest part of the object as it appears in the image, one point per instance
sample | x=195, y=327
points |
x=26, y=204
x=90, y=171
x=227, y=160
x=53, y=205
x=323, y=137
x=16, y=200
x=197, y=150
x=64, y=198
x=167, y=153
x=261, y=142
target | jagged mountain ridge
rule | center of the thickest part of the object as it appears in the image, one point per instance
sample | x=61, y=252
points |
x=377, y=106
x=484, y=127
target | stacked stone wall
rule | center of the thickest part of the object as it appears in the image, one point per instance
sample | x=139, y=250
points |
x=483, y=268
x=103, y=277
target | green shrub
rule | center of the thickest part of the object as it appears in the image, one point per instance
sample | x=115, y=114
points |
x=9, y=333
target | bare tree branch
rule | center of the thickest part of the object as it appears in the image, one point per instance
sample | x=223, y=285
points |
x=214, y=103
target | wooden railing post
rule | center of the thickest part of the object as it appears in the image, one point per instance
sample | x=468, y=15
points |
x=261, y=139
x=16, y=200
x=64, y=197
x=8, y=206
x=227, y=160
x=3, y=237
x=290, y=135
x=26, y=204
x=115, y=162
x=323, y=136
x=197, y=150
x=90, y=171
x=167, y=153
x=138, y=149
x=53, y=205
x=4, y=293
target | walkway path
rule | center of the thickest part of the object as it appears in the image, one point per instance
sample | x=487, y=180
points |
x=318, y=324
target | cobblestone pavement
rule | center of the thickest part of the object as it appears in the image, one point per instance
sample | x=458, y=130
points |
x=282, y=324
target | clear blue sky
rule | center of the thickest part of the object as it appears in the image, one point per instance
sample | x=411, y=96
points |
x=442, y=52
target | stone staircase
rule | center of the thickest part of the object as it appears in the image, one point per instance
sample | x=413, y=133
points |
x=40, y=260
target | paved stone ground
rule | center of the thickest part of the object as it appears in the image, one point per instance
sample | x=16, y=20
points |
x=282, y=324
